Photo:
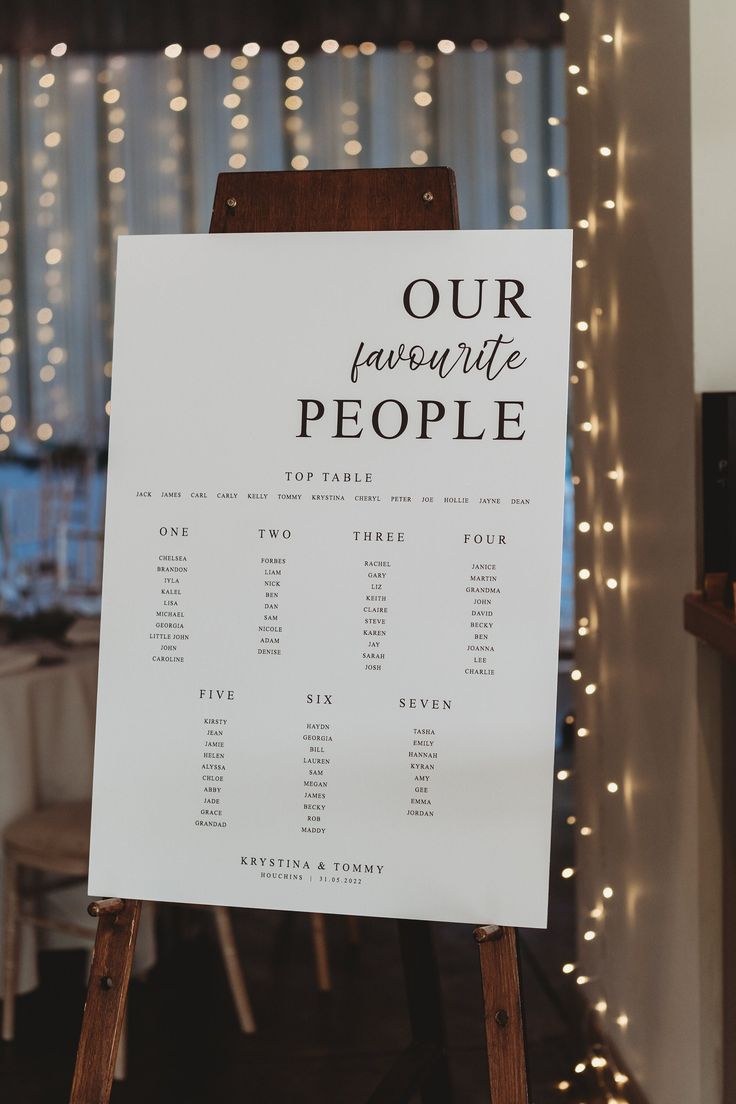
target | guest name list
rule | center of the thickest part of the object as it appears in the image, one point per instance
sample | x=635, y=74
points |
x=332, y=563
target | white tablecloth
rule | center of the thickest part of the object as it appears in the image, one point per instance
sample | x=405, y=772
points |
x=47, y=721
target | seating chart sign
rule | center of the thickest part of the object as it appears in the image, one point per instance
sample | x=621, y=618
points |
x=332, y=572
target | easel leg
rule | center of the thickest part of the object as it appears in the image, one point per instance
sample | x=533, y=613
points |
x=104, y=1009
x=424, y=998
x=353, y=926
x=499, y=967
x=321, y=954
x=11, y=948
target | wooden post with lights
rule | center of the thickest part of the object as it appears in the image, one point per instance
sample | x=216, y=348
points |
x=333, y=200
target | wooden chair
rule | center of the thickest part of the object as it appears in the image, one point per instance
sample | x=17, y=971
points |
x=55, y=841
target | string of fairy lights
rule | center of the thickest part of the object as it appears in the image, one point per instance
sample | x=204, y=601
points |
x=7, y=308
x=422, y=94
x=295, y=123
x=45, y=165
x=597, y=1069
x=40, y=342
x=7, y=341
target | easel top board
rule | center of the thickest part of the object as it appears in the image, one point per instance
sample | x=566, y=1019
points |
x=335, y=199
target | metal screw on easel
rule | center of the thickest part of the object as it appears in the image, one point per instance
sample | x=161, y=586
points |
x=428, y=197
x=231, y=202
x=502, y=1017
x=106, y=982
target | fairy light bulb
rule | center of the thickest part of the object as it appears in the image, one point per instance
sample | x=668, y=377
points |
x=563, y=775
x=608, y=526
x=589, y=935
x=583, y=732
x=584, y=573
x=612, y=787
x=580, y=1067
x=607, y=892
x=568, y=968
x=582, y=979
x=598, y=1062
x=582, y=326
x=576, y=675
x=568, y=872
x=611, y=583
x=582, y=224
x=591, y=688
x=586, y=831
x=584, y=526
x=581, y=90
x=605, y=151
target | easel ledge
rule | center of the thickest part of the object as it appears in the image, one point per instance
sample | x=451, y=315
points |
x=353, y=199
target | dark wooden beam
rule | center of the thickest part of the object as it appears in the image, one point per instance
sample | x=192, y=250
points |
x=123, y=25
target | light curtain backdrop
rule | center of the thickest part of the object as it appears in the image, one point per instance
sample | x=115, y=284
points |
x=93, y=147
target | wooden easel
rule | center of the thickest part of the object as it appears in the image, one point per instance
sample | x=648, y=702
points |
x=361, y=199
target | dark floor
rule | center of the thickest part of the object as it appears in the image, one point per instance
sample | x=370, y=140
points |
x=185, y=1047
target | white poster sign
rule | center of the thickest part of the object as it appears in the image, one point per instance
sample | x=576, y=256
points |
x=332, y=573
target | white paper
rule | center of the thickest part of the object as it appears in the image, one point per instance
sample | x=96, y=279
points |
x=293, y=712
